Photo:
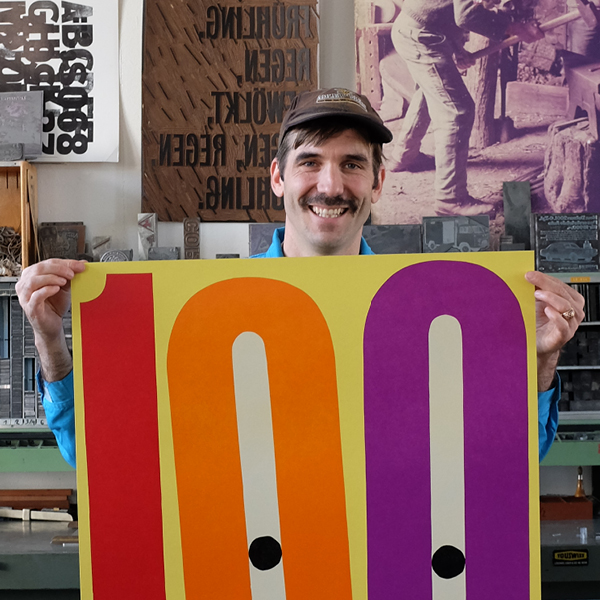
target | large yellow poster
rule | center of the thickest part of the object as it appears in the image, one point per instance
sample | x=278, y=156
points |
x=316, y=428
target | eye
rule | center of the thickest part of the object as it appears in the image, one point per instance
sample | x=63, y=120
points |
x=307, y=163
x=353, y=166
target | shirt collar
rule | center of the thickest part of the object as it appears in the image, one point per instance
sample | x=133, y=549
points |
x=276, y=248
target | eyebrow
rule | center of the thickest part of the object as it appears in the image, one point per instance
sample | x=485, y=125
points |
x=305, y=155
x=357, y=158
x=360, y=158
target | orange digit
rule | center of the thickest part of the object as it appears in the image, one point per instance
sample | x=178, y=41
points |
x=306, y=435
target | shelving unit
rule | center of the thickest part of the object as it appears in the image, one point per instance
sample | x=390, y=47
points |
x=578, y=437
x=26, y=443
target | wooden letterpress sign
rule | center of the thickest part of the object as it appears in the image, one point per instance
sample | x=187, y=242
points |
x=217, y=80
x=339, y=427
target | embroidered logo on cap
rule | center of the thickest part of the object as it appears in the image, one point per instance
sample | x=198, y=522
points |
x=342, y=96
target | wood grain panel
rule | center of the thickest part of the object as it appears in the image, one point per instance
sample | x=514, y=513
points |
x=217, y=79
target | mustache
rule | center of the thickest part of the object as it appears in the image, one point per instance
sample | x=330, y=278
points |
x=329, y=201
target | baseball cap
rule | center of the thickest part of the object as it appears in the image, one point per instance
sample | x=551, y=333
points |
x=335, y=102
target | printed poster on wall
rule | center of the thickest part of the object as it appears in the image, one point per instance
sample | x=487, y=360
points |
x=218, y=78
x=323, y=428
x=519, y=94
x=69, y=51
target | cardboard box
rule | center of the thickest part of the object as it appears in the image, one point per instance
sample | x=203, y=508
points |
x=18, y=205
x=565, y=508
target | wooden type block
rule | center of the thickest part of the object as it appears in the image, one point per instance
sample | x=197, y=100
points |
x=393, y=239
x=169, y=253
x=456, y=234
x=566, y=242
x=146, y=234
x=517, y=211
x=261, y=235
x=191, y=238
x=21, y=122
x=62, y=240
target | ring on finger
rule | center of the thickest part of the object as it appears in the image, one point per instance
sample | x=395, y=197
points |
x=568, y=314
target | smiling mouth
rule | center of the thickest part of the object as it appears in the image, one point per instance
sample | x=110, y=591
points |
x=328, y=213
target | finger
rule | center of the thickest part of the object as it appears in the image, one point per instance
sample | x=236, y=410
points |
x=563, y=329
x=558, y=331
x=55, y=266
x=77, y=266
x=65, y=267
x=560, y=304
x=552, y=284
x=31, y=284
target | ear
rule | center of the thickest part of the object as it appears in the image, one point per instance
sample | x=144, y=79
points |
x=379, y=187
x=276, y=179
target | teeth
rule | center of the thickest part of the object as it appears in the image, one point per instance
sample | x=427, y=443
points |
x=328, y=213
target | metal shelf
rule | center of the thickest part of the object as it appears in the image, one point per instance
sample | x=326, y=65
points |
x=577, y=367
x=580, y=417
x=32, y=460
x=572, y=453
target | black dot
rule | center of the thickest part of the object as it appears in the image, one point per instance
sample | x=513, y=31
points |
x=448, y=562
x=265, y=553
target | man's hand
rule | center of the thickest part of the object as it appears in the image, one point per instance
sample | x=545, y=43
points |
x=44, y=292
x=464, y=60
x=553, y=300
x=528, y=32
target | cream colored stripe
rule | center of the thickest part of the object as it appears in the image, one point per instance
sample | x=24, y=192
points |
x=447, y=448
x=257, y=452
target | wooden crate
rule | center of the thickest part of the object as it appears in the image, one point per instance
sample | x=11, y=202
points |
x=565, y=508
x=35, y=499
x=18, y=205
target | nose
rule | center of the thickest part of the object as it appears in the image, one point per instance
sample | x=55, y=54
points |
x=331, y=180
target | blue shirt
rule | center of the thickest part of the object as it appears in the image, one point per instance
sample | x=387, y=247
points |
x=276, y=248
x=58, y=396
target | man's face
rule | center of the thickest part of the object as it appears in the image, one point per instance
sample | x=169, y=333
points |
x=328, y=191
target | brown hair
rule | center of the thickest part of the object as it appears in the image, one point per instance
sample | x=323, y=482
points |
x=318, y=132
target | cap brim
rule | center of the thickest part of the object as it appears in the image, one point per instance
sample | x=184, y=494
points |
x=380, y=133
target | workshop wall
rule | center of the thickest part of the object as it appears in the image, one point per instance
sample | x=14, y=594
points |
x=107, y=196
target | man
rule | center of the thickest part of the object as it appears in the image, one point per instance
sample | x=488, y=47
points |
x=329, y=171
x=582, y=38
x=429, y=35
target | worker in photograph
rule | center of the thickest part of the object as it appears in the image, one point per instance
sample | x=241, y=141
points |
x=430, y=35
